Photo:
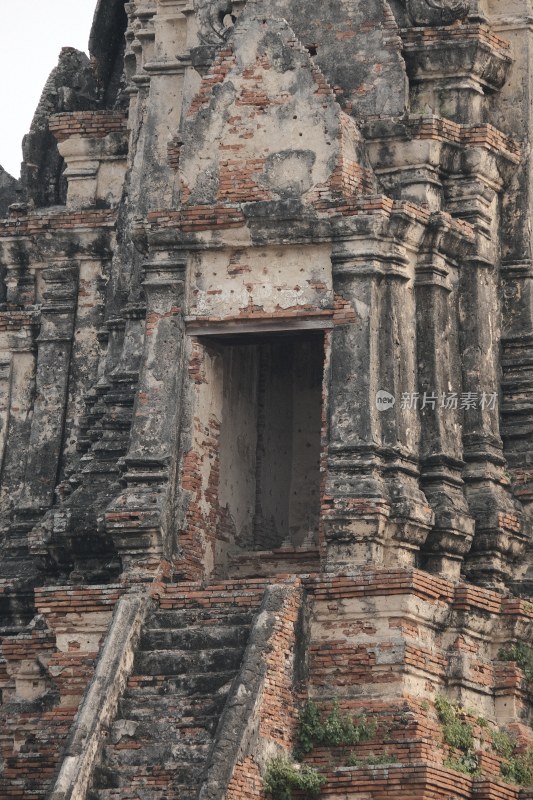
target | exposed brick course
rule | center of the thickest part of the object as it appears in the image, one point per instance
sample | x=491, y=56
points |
x=87, y=124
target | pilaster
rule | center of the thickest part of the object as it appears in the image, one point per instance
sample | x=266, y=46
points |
x=452, y=69
x=473, y=195
x=138, y=518
x=514, y=21
x=17, y=335
x=54, y=346
x=94, y=145
x=439, y=392
x=374, y=510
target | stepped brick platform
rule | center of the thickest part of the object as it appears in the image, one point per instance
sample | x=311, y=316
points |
x=44, y=673
x=382, y=644
x=416, y=782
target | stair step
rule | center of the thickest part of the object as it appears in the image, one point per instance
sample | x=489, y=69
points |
x=105, y=778
x=195, y=684
x=160, y=729
x=186, y=617
x=164, y=754
x=185, y=792
x=150, y=793
x=195, y=638
x=180, y=662
x=157, y=706
x=180, y=772
x=159, y=742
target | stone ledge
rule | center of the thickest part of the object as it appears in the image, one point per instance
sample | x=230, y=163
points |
x=88, y=124
x=57, y=221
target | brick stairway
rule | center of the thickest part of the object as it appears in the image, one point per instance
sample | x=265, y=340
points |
x=191, y=648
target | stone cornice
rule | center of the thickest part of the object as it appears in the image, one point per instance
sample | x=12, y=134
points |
x=440, y=129
x=506, y=23
x=471, y=52
x=437, y=12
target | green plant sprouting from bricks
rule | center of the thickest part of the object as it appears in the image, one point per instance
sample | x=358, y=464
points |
x=283, y=776
x=519, y=768
x=503, y=744
x=316, y=728
x=333, y=730
x=522, y=654
x=371, y=760
x=516, y=767
x=458, y=733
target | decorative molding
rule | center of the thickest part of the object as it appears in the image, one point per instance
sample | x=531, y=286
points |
x=437, y=12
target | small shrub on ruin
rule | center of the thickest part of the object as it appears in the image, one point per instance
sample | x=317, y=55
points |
x=310, y=729
x=522, y=654
x=283, y=776
x=503, y=744
x=519, y=768
x=468, y=764
x=457, y=733
x=335, y=730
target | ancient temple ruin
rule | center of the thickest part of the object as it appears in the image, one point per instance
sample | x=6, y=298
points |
x=266, y=406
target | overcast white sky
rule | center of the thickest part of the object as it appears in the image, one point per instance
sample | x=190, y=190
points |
x=32, y=33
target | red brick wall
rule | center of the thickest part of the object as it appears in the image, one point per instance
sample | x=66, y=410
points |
x=27, y=225
x=88, y=124
x=276, y=711
x=384, y=644
x=55, y=659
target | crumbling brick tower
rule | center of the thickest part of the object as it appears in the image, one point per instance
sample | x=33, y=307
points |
x=266, y=405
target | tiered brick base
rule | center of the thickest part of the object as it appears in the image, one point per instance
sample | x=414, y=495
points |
x=381, y=644
x=384, y=645
x=43, y=675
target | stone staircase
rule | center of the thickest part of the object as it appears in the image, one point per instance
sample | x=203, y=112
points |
x=190, y=650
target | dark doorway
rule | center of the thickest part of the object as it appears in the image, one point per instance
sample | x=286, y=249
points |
x=270, y=395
